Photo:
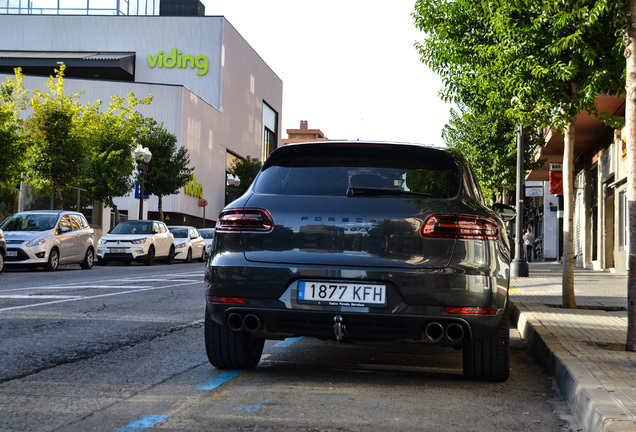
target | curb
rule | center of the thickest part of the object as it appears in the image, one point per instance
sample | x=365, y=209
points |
x=595, y=409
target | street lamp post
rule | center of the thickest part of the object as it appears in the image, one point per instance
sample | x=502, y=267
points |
x=232, y=185
x=519, y=266
x=142, y=155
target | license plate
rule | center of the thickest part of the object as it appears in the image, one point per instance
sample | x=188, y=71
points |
x=118, y=250
x=12, y=253
x=341, y=294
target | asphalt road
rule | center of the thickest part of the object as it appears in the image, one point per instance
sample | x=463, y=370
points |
x=120, y=348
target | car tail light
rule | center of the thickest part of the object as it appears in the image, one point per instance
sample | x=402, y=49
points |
x=245, y=220
x=459, y=227
x=471, y=310
x=221, y=299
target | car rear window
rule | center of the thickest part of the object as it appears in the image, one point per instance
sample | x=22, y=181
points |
x=331, y=170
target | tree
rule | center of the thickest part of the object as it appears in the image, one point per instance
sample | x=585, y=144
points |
x=630, y=120
x=169, y=168
x=57, y=152
x=12, y=143
x=246, y=170
x=489, y=141
x=112, y=137
x=552, y=57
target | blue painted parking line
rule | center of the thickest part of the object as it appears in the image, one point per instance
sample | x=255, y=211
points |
x=287, y=342
x=220, y=379
x=142, y=423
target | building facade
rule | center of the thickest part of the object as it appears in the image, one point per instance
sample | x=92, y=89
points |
x=210, y=89
x=600, y=181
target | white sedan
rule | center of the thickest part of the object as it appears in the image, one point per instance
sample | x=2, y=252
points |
x=188, y=243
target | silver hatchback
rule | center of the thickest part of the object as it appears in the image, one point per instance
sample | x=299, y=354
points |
x=48, y=238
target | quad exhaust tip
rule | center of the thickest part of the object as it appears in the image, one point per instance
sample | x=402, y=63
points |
x=250, y=322
x=435, y=332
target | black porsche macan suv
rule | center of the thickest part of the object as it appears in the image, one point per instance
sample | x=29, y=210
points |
x=354, y=241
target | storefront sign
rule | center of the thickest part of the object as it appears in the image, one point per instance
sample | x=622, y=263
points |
x=556, y=182
x=193, y=188
x=177, y=59
x=534, y=192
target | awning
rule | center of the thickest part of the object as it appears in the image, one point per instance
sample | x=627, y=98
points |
x=588, y=132
x=92, y=65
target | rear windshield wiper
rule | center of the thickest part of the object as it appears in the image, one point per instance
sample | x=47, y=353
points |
x=358, y=191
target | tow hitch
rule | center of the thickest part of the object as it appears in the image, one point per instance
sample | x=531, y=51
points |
x=339, y=328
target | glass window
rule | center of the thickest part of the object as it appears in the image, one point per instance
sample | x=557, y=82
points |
x=77, y=224
x=331, y=170
x=270, y=126
x=179, y=232
x=65, y=222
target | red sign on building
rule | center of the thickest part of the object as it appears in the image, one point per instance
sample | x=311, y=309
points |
x=556, y=182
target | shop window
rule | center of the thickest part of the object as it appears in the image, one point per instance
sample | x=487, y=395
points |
x=270, y=126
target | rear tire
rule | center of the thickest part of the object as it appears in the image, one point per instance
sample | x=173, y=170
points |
x=203, y=257
x=54, y=260
x=89, y=259
x=227, y=349
x=488, y=359
x=1, y=262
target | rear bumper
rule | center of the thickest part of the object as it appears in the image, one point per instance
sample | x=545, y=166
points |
x=415, y=299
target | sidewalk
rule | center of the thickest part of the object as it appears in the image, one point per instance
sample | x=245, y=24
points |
x=584, y=348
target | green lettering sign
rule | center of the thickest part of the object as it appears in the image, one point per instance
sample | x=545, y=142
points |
x=176, y=59
x=193, y=188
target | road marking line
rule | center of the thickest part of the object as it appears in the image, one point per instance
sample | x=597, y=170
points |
x=142, y=423
x=94, y=297
x=287, y=342
x=220, y=379
x=169, y=278
x=37, y=296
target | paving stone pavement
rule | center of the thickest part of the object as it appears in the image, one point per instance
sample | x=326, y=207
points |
x=583, y=348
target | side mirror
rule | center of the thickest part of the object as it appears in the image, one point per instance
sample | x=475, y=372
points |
x=505, y=212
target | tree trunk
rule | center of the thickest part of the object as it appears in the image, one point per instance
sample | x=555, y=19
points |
x=117, y=214
x=57, y=187
x=630, y=121
x=160, y=207
x=568, y=217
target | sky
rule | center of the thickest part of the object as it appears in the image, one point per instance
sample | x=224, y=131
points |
x=349, y=67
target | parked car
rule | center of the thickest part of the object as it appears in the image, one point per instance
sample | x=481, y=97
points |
x=188, y=243
x=48, y=238
x=354, y=241
x=3, y=250
x=137, y=240
x=208, y=237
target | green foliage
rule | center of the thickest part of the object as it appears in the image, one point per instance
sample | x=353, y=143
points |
x=169, y=168
x=246, y=170
x=12, y=143
x=553, y=56
x=57, y=152
x=489, y=140
x=112, y=137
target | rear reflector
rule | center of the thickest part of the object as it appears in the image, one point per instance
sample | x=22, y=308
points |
x=459, y=227
x=245, y=220
x=471, y=310
x=220, y=299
